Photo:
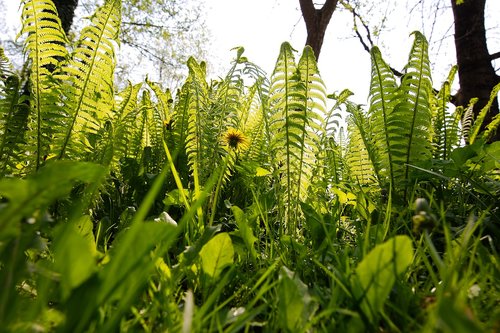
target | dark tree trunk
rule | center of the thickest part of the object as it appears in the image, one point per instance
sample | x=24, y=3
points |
x=66, y=12
x=475, y=72
x=316, y=22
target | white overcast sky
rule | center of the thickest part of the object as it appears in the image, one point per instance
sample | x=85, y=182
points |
x=260, y=26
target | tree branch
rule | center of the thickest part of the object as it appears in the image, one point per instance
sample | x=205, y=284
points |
x=308, y=11
x=495, y=55
x=316, y=22
x=355, y=18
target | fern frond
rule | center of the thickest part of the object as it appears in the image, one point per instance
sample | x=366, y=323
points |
x=492, y=127
x=358, y=159
x=45, y=46
x=468, y=119
x=383, y=97
x=253, y=125
x=88, y=78
x=446, y=125
x=197, y=105
x=13, y=118
x=410, y=122
x=5, y=66
x=297, y=102
x=115, y=140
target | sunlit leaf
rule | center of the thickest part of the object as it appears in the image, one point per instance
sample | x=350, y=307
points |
x=377, y=272
x=295, y=305
x=217, y=254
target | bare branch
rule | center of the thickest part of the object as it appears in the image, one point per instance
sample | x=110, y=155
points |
x=356, y=17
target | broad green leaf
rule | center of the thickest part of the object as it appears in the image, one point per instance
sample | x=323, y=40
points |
x=294, y=302
x=315, y=222
x=38, y=191
x=217, y=254
x=377, y=272
x=245, y=231
x=73, y=258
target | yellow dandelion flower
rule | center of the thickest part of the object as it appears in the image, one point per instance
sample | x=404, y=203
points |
x=235, y=140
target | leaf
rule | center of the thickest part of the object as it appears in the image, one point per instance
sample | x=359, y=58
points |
x=377, y=272
x=88, y=77
x=73, y=258
x=245, y=231
x=217, y=254
x=295, y=305
x=38, y=191
x=45, y=47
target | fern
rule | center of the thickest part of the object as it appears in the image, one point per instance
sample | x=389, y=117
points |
x=383, y=96
x=13, y=117
x=478, y=122
x=297, y=99
x=88, y=81
x=446, y=125
x=197, y=106
x=253, y=125
x=410, y=122
x=468, y=119
x=116, y=139
x=359, y=156
x=44, y=45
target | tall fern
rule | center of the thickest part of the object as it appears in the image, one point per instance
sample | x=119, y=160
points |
x=116, y=138
x=296, y=102
x=13, y=117
x=383, y=97
x=359, y=156
x=411, y=119
x=492, y=127
x=197, y=106
x=446, y=124
x=45, y=47
x=88, y=82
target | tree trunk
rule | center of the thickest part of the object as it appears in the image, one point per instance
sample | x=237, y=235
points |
x=66, y=12
x=475, y=72
x=316, y=22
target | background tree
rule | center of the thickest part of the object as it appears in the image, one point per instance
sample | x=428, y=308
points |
x=157, y=37
x=66, y=12
x=317, y=21
x=475, y=70
x=477, y=76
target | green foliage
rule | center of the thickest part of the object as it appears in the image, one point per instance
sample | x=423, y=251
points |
x=239, y=204
x=217, y=254
x=376, y=273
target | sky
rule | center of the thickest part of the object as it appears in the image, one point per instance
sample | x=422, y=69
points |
x=260, y=26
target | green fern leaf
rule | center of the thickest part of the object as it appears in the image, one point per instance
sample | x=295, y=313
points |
x=88, y=78
x=13, y=118
x=383, y=96
x=409, y=124
x=115, y=138
x=360, y=156
x=197, y=105
x=297, y=104
x=491, y=128
x=45, y=46
x=446, y=125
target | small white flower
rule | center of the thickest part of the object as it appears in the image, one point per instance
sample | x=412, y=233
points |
x=473, y=291
x=165, y=218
